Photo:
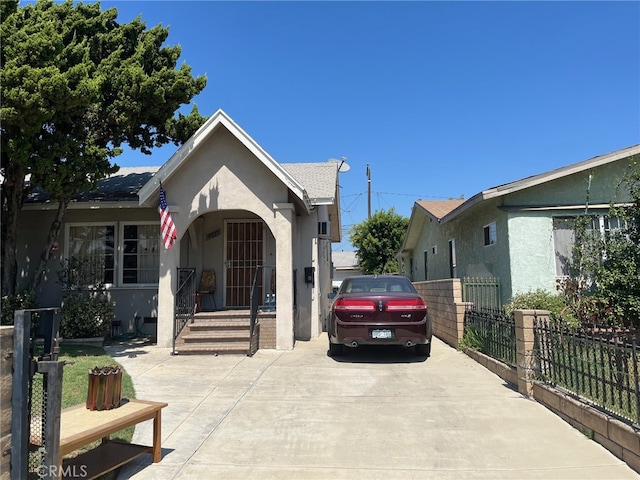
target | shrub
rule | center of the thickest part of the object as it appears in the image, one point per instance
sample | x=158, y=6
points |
x=20, y=301
x=85, y=315
x=471, y=340
x=537, y=300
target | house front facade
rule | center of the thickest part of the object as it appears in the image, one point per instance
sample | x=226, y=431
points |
x=239, y=215
x=520, y=233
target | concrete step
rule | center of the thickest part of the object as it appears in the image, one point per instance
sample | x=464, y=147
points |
x=213, y=348
x=216, y=333
x=204, y=325
x=215, y=336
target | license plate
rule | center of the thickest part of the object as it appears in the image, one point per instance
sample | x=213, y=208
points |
x=381, y=333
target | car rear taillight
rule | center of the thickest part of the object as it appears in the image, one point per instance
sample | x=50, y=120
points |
x=344, y=305
x=411, y=304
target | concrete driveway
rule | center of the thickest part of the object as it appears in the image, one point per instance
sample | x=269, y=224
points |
x=374, y=414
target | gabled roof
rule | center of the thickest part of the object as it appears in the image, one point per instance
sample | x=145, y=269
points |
x=443, y=211
x=534, y=180
x=434, y=210
x=439, y=208
x=220, y=119
x=319, y=179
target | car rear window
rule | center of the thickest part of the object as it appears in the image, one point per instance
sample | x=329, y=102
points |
x=377, y=285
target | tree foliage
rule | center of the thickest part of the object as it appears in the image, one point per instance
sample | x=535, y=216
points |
x=378, y=239
x=604, y=285
x=76, y=85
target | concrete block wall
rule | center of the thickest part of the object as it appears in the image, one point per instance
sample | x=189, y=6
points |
x=444, y=301
x=6, y=379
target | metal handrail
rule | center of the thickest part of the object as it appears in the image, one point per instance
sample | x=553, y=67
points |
x=185, y=301
x=254, y=306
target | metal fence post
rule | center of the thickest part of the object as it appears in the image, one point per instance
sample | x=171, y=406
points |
x=51, y=463
x=20, y=385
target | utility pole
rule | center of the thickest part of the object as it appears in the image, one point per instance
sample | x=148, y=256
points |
x=368, y=191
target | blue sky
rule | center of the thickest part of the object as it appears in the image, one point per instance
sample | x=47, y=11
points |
x=441, y=99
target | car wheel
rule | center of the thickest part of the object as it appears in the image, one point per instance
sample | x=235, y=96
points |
x=335, y=349
x=423, y=349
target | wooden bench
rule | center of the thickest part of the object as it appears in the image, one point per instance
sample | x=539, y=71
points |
x=80, y=426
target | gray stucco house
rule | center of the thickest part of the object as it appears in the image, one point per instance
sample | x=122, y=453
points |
x=520, y=232
x=235, y=209
x=345, y=264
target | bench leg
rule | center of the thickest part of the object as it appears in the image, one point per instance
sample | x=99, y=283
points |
x=157, y=437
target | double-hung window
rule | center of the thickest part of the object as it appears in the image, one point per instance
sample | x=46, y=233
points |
x=92, y=248
x=118, y=254
x=140, y=253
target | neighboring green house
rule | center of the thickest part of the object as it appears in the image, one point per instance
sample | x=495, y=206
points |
x=520, y=232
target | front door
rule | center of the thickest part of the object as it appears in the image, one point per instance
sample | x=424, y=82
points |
x=244, y=253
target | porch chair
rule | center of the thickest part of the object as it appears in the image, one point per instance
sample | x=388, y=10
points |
x=207, y=287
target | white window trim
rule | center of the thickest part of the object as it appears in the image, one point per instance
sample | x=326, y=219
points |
x=495, y=234
x=120, y=255
x=115, y=226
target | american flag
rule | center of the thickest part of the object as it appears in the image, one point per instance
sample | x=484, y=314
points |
x=166, y=223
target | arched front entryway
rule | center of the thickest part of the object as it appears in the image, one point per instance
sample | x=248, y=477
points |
x=235, y=245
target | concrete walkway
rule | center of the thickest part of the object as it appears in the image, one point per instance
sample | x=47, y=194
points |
x=375, y=414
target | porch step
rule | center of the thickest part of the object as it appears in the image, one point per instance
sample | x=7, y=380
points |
x=213, y=348
x=216, y=333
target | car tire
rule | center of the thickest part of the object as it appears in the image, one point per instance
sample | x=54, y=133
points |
x=423, y=349
x=335, y=349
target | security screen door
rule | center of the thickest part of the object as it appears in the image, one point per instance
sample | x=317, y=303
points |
x=244, y=253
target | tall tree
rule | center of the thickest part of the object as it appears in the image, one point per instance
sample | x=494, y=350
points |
x=76, y=85
x=378, y=239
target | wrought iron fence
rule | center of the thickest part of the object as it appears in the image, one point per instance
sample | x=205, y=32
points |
x=483, y=292
x=598, y=366
x=492, y=332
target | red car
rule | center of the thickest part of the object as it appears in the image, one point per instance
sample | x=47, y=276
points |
x=379, y=310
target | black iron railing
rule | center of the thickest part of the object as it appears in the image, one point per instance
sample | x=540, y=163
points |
x=185, y=302
x=492, y=332
x=599, y=365
x=263, y=297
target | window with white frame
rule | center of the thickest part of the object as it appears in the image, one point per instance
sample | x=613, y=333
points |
x=91, y=252
x=140, y=253
x=490, y=235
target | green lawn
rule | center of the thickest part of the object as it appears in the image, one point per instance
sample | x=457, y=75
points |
x=75, y=383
